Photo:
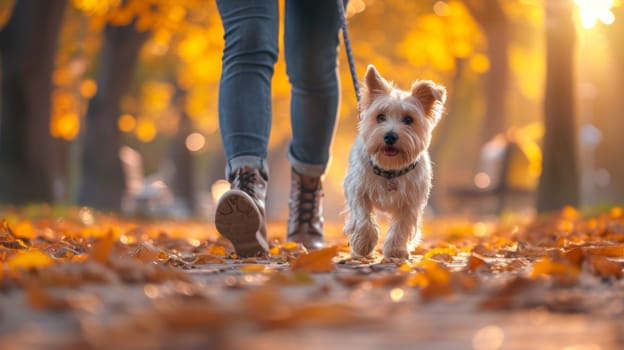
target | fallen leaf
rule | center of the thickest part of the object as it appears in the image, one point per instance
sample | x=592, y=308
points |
x=217, y=250
x=204, y=259
x=474, y=263
x=29, y=259
x=315, y=261
x=548, y=267
x=605, y=267
x=253, y=268
x=147, y=252
x=610, y=251
x=41, y=300
x=102, y=249
x=465, y=281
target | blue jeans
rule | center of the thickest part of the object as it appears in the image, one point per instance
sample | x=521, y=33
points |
x=251, y=50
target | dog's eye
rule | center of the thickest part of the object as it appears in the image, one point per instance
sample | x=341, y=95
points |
x=381, y=118
x=407, y=120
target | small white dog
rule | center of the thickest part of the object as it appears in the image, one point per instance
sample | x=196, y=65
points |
x=389, y=167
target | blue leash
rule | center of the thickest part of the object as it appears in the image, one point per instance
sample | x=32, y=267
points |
x=347, y=42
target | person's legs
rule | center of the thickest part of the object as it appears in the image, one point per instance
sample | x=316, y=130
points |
x=250, y=52
x=311, y=45
x=251, y=29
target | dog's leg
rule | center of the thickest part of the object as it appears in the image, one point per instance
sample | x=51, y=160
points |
x=404, y=228
x=361, y=228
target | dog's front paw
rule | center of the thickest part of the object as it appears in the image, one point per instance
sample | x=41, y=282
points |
x=396, y=254
x=363, y=241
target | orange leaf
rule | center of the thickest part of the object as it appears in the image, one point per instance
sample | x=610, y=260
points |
x=547, y=266
x=147, y=253
x=605, y=267
x=614, y=251
x=575, y=256
x=474, y=263
x=217, y=250
x=204, y=259
x=467, y=282
x=102, y=248
x=41, y=300
x=316, y=261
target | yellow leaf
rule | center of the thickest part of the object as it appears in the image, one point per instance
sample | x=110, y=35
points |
x=25, y=229
x=253, y=268
x=452, y=251
x=290, y=245
x=29, y=259
x=274, y=251
x=316, y=261
x=405, y=267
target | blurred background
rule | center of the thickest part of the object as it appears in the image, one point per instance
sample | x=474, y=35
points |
x=113, y=103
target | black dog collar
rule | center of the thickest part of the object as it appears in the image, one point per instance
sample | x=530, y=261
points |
x=391, y=174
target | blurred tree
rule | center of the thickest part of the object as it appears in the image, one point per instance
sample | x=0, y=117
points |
x=495, y=25
x=559, y=181
x=29, y=157
x=183, y=179
x=102, y=179
x=139, y=34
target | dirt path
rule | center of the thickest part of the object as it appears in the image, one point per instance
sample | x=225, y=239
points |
x=549, y=285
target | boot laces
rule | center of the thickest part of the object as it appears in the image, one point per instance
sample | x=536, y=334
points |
x=308, y=202
x=246, y=181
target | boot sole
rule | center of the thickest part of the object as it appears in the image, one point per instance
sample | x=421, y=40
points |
x=238, y=219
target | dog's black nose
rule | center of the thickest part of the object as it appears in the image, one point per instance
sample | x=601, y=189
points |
x=390, y=138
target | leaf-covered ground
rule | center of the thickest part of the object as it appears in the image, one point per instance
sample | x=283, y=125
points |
x=75, y=279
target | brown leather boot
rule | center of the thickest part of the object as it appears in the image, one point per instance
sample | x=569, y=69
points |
x=305, y=217
x=240, y=212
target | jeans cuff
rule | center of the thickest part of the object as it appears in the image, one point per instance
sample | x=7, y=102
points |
x=306, y=169
x=253, y=161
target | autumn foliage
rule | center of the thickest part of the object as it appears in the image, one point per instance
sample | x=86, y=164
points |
x=50, y=259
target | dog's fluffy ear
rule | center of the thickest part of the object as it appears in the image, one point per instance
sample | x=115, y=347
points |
x=431, y=96
x=373, y=86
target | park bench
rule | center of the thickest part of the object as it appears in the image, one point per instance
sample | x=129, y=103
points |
x=146, y=196
x=504, y=178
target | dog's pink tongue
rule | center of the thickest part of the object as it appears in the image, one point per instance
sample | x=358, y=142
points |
x=390, y=151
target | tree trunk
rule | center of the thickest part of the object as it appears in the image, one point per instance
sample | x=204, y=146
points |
x=102, y=179
x=183, y=180
x=29, y=156
x=559, y=181
x=492, y=19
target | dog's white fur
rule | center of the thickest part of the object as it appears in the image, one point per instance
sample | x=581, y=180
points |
x=404, y=198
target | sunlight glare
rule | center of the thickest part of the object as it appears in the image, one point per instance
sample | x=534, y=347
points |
x=397, y=294
x=488, y=338
x=482, y=180
x=592, y=11
x=218, y=188
x=195, y=142
x=441, y=8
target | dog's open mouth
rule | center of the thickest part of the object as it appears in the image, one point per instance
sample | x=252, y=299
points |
x=390, y=151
